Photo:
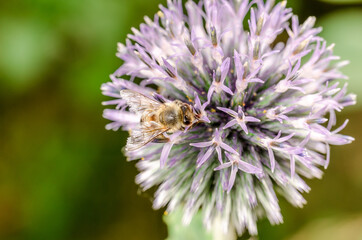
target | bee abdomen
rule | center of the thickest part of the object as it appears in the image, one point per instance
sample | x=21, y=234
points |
x=148, y=117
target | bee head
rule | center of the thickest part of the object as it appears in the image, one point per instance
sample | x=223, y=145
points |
x=187, y=114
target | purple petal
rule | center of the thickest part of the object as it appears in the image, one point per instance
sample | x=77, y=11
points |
x=217, y=134
x=159, y=98
x=289, y=68
x=230, y=124
x=219, y=156
x=226, y=89
x=332, y=119
x=280, y=118
x=278, y=135
x=165, y=152
x=240, y=112
x=255, y=72
x=228, y=148
x=202, y=144
x=118, y=102
x=286, y=138
x=224, y=69
x=238, y=66
x=247, y=167
x=255, y=80
x=197, y=101
x=205, y=119
x=234, y=170
x=204, y=105
x=296, y=67
x=271, y=158
x=270, y=53
x=169, y=67
x=243, y=126
x=341, y=127
x=251, y=119
x=205, y=157
x=228, y=111
x=305, y=140
x=224, y=165
x=302, y=81
x=210, y=92
x=252, y=23
x=122, y=117
x=292, y=166
x=230, y=157
x=298, y=89
x=288, y=109
x=328, y=155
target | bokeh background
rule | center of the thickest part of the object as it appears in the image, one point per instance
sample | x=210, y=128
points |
x=63, y=176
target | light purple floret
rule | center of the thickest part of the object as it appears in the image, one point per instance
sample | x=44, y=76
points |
x=267, y=107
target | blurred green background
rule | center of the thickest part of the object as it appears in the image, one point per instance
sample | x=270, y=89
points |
x=63, y=176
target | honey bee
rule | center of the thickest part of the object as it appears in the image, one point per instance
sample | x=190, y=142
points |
x=158, y=116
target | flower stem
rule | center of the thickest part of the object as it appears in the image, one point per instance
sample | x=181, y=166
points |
x=195, y=230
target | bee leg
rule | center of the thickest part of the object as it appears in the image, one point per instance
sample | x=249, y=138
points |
x=160, y=139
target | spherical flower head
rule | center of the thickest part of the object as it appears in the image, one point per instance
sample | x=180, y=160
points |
x=263, y=109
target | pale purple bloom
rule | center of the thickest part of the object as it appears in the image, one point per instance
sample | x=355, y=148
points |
x=242, y=81
x=279, y=113
x=239, y=118
x=215, y=144
x=290, y=82
x=217, y=84
x=200, y=109
x=274, y=143
x=266, y=108
x=235, y=163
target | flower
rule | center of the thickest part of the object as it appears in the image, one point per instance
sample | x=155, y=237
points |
x=239, y=118
x=237, y=164
x=262, y=107
x=215, y=144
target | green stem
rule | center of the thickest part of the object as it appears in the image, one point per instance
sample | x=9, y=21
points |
x=195, y=230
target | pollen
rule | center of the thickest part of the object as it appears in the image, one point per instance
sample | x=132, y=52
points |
x=188, y=98
x=160, y=14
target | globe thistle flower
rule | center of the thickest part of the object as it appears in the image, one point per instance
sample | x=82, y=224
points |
x=264, y=95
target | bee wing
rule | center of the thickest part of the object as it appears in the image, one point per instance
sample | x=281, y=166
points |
x=145, y=134
x=138, y=102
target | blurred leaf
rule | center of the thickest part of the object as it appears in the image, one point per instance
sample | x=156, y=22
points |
x=54, y=180
x=27, y=46
x=177, y=231
x=331, y=229
x=93, y=35
x=342, y=1
x=296, y=5
x=344, y=29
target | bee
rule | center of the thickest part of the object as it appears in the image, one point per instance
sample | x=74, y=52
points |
x=158, y=116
